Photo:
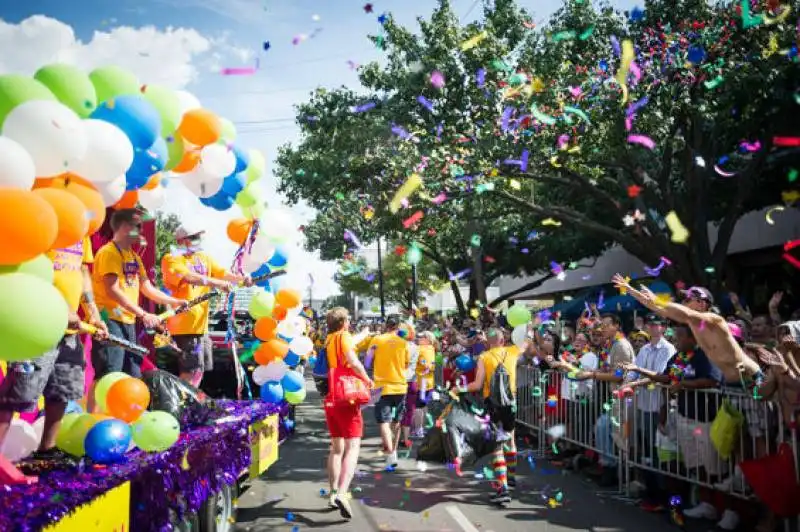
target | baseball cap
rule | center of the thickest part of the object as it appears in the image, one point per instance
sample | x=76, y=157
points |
x=698, y=292
x=654, y=319
x=181, y=233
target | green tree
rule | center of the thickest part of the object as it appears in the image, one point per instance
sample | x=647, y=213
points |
x=166, y=225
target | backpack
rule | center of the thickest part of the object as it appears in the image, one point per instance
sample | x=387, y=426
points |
x=320, y=372
x=500, y=393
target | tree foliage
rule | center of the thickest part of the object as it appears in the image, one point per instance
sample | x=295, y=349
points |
x=166, y=225
x=552, y=133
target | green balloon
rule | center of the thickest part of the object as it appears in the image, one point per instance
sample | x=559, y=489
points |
x=518, y=315
x=15, y=89
x=70, y=440
x=261, y=305
x=112, y=81
x=168, y=106
x=105, y=384
x=256, y=167
x=248, y=196
x=71, y=86
x=40, y=267
x=295, y=398
x=68, y=420
x=155, y=431
x=228, y=131
x=33, y=316
x=175, y=150
x=254, y=211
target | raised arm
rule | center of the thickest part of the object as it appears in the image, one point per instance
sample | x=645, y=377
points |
x=669, y=310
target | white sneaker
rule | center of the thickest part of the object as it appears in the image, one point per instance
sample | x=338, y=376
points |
x=391, y=459
x=702, y=511
x=729, y=521
x=332, y=501
x=735, y=482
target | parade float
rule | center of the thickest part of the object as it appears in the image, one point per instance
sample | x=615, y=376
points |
x=161, y=455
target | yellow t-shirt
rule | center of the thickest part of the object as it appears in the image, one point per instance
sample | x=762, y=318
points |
x=364, y=344
x=173, y=268
x=332, y=345
x=67, y=272
x=392, y=358
x=425, y=367
x=128, y=267
x=493, y=357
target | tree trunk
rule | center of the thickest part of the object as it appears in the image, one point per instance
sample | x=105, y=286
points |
x=462, y=310
x=530, y=286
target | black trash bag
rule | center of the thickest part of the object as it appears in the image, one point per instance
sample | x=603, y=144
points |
x=433, y=448
x=170, y=394
x=467, y=434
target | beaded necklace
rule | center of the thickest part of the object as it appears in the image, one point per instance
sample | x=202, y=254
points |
x=677, y=369
x=605, y=353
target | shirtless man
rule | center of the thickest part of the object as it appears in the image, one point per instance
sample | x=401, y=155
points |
x=709, y=329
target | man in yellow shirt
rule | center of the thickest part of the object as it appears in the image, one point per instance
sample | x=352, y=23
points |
x=391, y=358
x=59, y=373
x=190, y=273
x=504, y=460
x=118, y=279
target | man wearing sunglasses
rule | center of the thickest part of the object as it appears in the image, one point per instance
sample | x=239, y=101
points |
x=118, y=279
x=710, y=329
x=190, y=273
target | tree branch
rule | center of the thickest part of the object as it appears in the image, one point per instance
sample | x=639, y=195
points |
x=533, y=284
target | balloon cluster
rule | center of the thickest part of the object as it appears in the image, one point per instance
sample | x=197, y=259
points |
x=106, y=437
x=72, y=144
x=281, y=331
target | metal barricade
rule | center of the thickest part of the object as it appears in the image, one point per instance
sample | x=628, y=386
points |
x=593, y=414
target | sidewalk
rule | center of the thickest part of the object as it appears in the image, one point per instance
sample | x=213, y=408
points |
x=288, y=497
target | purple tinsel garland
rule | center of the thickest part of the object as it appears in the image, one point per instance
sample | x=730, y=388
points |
x=216, y=455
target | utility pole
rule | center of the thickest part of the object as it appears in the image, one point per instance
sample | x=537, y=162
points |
x=414, y=300
x=380, y=281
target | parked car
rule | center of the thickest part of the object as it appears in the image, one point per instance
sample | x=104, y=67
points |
x=220, y=382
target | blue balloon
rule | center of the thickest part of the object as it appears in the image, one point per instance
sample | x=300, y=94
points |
x=145, y=164
x=233, y=184
x=242, y=159
x=293, y=381
x=135, y=116
x=312, y=361
x=108, y=441
x=280, y=257
x=271, y=392
x=291, y=360
x=219, y=201
x=465, y=363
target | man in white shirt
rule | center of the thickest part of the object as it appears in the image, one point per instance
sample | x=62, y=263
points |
x=655, y=357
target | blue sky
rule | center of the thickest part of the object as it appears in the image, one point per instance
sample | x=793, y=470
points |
x=259, y=105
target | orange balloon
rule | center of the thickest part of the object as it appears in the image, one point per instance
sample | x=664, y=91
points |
x=188, y=162
x=127, y=201
x=100, y=417
x=85, y=191
x=153, y=182
x=269, y=351
x=288, y=298
x=239, y=230
x=279, y=312
x=265, y=328
x=28, y=226
x=200, y=127
x=73, y=218
x=127, y=399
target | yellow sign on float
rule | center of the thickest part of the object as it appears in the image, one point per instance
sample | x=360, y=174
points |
x=110, y=512
x=263, y=445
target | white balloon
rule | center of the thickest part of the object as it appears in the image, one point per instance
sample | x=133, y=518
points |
x=154, y=199
x=201, y=183
x=301, y=345
x=187, y=101
x=519, y=335
x=20, y=441
x=16, y=165
x=50, y=132
x=38, y=428
x=109, y=152
x=259, y=375
x=251, y=264
x=112, y=192
x=218, y=160
x=262, y=249
x=275, y=370
x=278, y=226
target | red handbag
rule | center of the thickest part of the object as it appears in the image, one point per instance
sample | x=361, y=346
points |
x=774, y=482
x=346, y=387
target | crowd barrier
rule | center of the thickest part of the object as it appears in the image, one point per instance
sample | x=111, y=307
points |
x=622, y=429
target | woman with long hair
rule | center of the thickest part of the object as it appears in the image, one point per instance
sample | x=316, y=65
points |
x=345, y=423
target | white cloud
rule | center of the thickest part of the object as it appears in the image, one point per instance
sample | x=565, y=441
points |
x=169, y=57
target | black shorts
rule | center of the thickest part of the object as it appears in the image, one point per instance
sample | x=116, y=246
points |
x=504, y=417
x=197, y=352
x=390, y=408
